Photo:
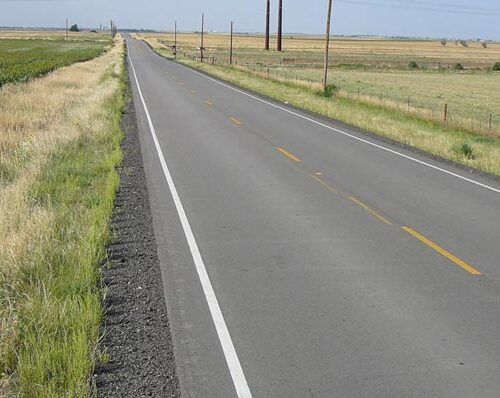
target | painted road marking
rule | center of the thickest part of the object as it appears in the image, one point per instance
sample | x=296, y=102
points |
x=233, y=363
x=370, y=210
x=209, y=103
x=236, y=121
x=411, y=158
x=288, y=154
x=192, y=92
x=326, y=185
x=469, y=268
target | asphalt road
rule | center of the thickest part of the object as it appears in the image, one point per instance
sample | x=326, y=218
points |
x=301, y=259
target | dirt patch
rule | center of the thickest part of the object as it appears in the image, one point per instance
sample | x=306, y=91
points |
x=137, y=333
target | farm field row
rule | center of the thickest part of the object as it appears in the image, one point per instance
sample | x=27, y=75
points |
x=23, y=59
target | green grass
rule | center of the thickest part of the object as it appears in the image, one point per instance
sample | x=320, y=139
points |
x=471, y=96
x=430, y=136
x=58, y=291
x=21, y=60
x=417, y=77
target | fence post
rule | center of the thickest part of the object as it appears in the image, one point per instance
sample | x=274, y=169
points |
x=408, y=104
x=445, y=115
x=490, y=123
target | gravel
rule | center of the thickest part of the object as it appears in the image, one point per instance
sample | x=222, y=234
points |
x=136, y=329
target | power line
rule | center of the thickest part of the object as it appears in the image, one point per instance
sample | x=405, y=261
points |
x=434, y=4
x=426, y=6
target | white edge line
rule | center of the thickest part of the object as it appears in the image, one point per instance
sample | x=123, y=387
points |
x=226, y=342
x=347, y=134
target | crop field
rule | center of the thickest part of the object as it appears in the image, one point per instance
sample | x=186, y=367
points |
x=360, y=53
x=375, y=72
x=53, y=34
x=23, y=59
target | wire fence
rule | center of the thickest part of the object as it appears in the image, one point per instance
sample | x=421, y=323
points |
x=288, y=70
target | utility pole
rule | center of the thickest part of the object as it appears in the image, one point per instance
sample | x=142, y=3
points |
x=175, y=39
x=231, y=46
x=202, y=32
x=111, y=27
x=327, y=45
x=280, y=26
x=66, y=28
x=268, y=15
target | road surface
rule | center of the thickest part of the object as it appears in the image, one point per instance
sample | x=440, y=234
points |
x=302, y=259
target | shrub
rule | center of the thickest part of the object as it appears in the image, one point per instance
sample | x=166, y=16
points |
x=413, y=65
x=329, y=90
x=444, y=42
x=458, y=66
x=464, y=43
x=496, y=67
x=74, y=28
x=465, y=150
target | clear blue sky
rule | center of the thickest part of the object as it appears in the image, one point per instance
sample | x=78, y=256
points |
x=433, y=18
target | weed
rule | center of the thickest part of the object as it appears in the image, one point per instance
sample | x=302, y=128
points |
x=61, y=142
x=329, y=90
x=466, y=150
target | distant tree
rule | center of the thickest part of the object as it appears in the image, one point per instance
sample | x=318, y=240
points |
x=458, y=67
x=413, y=65
x=74, y=28
x=464, y=43
x=444, y=42
x=484, y=44
x=496, y=67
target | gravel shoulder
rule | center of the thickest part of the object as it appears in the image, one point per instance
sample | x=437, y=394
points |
x=136, y=329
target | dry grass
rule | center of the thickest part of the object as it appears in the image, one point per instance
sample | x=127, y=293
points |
x=37, y=120
x=375, y=78
x=53, y=34
x=411, y=129
x=369, y=52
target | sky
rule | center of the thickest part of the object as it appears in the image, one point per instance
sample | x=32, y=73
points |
x=409, y=18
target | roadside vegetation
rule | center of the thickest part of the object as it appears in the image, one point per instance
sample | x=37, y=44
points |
x=24, y=59
x=59, y=149
x=419, y=124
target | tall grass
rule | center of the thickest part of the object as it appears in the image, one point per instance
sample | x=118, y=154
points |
x=396, y=124
x=58, y=156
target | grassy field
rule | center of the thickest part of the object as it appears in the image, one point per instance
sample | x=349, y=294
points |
x=54, y=34
x=413, y=127
x=59, y=148
x=377, y=72
x=23, y=59
x=359, y=53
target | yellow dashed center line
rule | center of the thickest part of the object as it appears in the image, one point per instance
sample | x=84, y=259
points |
x=209, y=103
x=469, y=268
x=370, y=210
x=325, y=184
x=181, y=83
x=192, y=91
x=288, y=154
x=236, y=121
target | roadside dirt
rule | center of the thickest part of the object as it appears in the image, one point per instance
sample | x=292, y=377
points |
x=137, y=333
